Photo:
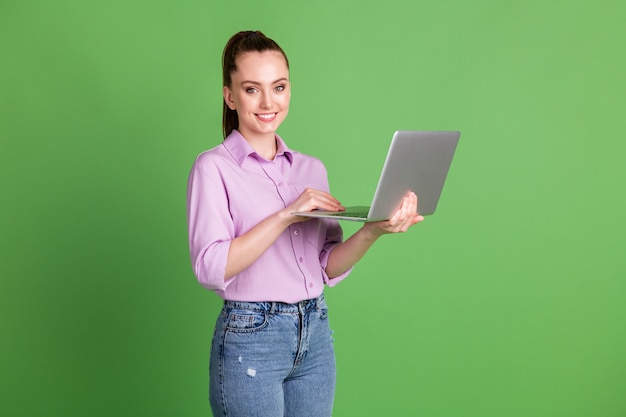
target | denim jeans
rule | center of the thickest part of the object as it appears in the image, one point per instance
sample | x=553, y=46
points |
x=271, y=359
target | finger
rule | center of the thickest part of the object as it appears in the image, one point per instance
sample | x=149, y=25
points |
x=406, y=216
x=317, y=199
x=328, y=202
x=411, y=202
x=408, y=208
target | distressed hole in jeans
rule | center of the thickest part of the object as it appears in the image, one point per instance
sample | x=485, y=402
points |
x=251, y=372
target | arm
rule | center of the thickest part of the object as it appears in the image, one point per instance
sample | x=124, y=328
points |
x=247, y=248
x=348, y=253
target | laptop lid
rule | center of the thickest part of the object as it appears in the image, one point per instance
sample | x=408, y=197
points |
x=416, y=161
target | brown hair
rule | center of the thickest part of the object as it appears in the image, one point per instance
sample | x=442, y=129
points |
x=238, y=44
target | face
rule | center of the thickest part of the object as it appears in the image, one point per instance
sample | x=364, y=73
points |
x=260, y=93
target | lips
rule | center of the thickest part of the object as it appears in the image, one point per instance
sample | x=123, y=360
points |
x=266, y=117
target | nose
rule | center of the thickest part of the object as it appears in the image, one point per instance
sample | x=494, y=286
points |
x=266, y=100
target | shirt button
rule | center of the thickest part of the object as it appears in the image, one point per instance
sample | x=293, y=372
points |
x=301, y=259
x=295, y=232
x=310, y=285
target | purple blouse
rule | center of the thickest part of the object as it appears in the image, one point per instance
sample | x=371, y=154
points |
x=231, y=189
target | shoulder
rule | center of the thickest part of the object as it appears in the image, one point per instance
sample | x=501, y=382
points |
x=300, y=160
x=304, y=161
x=212, y=158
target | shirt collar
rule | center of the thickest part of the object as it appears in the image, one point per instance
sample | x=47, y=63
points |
x=240, y=149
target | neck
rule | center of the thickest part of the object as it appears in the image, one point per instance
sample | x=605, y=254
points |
x=265, y=146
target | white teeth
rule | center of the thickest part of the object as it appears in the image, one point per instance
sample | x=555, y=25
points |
x=267, y=116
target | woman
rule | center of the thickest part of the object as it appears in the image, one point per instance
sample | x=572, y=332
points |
x=272, y=352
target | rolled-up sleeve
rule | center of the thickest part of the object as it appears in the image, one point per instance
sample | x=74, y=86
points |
x=334, y=237
x=210, y=225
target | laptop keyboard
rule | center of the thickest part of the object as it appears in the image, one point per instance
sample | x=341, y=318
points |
x=351, y=213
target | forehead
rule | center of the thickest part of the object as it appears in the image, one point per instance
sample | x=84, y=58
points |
x=259, y=66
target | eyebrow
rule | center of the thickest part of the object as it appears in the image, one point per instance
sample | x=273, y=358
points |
x=283, y=79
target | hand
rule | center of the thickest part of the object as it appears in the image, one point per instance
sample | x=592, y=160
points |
x=312, y=199
x=405, y=217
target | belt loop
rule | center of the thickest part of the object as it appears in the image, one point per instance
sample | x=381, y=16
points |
x=272, y=307
x=317, y=301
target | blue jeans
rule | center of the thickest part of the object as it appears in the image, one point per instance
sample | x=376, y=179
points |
x=272, y=359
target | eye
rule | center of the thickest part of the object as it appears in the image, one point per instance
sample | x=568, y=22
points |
x=251, y=90
x=280, y=88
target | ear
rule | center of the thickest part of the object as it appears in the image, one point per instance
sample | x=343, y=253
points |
x=228, y=98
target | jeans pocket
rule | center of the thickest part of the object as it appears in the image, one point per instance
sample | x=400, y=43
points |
x=245, y=321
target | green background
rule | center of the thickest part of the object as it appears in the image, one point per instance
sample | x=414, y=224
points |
x=509, y=301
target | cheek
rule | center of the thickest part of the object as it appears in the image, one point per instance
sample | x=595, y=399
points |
x=244, y=104
x=285, y=99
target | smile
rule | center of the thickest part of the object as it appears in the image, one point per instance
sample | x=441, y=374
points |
x=266, y=117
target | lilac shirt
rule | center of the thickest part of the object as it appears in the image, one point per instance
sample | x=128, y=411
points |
x=231, y=189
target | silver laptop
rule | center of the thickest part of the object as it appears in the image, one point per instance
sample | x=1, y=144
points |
x=417, y=161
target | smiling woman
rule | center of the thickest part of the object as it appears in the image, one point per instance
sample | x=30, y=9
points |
x=259, y=93
x=272, y=341
x=235, y=52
